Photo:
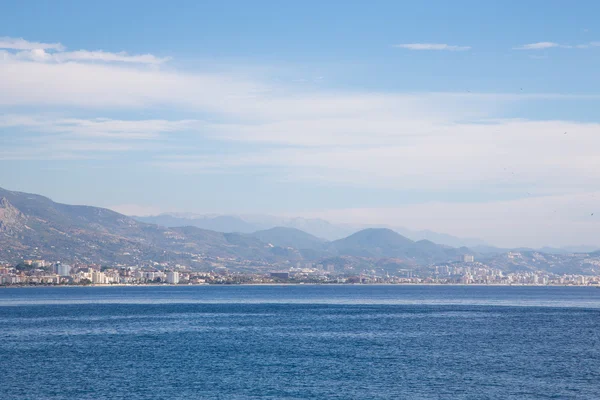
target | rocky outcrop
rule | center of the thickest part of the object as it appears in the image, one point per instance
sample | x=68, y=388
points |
x=11, y=219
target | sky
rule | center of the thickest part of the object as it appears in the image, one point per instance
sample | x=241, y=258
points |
x=477, y=119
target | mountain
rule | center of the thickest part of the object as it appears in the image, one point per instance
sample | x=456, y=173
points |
x=314, y=226
x=318, y=227
x=373, y=242
x=219, y=223
x=290, y=237
x=250, y=223
x=439, y=238
x=386, y=243
x=33, y=226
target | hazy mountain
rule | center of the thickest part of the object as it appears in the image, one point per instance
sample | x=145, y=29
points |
x=250, y=223
x=318, y=227
x=290, y=237
x=33, y=226
x=219, y=223
x=373, y=242
x=314, y=226
x=386, y=243
x=439, y=238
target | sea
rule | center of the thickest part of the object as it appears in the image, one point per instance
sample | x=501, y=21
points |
x=300, y=342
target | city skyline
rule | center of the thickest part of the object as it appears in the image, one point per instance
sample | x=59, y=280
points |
x=435, y=118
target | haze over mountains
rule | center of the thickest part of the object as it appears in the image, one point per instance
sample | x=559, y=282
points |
x=314, y=226
x=329, y=231
x=35, y=227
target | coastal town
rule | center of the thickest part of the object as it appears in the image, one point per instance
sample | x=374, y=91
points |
x=467, y=271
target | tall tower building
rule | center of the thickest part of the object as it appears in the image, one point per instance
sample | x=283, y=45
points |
x=173, y=277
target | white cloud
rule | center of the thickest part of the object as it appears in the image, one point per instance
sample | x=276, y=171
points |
x=431, y=46
x=96, y=127
x=513, y=156
x=77, y=84
x=55, y=52
x=46, y=137
x=40, y=55
x=22, y=44
x=538, y=46
x=435, y=142
x=549, y=45
x=83, y=55
x=418, y=140
x=588, y=45
x=88, y=56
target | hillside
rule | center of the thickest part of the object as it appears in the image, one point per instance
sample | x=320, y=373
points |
x=372, y=242
x=219, y=223
x=290, y=237
x=385, y=243
x=33, y=226
x=314, y=226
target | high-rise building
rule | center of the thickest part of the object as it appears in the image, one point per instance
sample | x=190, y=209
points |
x=173, y=277
x=63, y=269
x=98, y=277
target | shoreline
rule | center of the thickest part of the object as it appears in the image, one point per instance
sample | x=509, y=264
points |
x=121, y=285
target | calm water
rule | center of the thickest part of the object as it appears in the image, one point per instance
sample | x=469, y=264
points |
x=300, y=342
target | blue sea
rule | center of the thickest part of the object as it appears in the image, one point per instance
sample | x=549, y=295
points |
x=300, y=342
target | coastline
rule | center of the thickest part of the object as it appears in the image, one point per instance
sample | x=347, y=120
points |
x=121, y=285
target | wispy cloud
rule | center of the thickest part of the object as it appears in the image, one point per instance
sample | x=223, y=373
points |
x=431, y=46
x=89, y=56
x=95, y=127
x=412, y=140
x=537, y=46
x=22, y=44
x=111, y=85
x=550, y=45
x=416, y=154
x=427, y=142
x=588, y=45
x=46, y=137
x=21, y=49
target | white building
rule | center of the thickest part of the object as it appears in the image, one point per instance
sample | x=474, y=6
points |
x=173, y=277
x=98, y=277
x=468, y=258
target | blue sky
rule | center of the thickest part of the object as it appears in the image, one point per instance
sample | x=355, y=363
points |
x=449, y=116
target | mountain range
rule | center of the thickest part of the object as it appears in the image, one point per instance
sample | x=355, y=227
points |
x=330, y=231
x=315, y=226
x=33, y=226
